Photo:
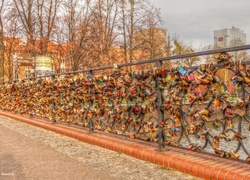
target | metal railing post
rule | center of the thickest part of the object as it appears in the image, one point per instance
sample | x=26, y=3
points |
x=160, y=133
x=53, y=103
x=91, y=122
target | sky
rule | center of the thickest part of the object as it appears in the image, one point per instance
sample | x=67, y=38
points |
x=194, y=21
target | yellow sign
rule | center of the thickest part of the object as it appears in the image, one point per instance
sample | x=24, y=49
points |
x=43, y=63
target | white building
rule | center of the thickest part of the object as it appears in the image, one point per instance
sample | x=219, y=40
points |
x=229, y=37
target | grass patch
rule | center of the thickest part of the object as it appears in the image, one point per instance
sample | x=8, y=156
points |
x=119, y=152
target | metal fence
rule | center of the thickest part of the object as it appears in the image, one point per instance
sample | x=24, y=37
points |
x=202, y=108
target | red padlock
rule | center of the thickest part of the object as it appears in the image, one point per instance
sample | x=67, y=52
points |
x=191, y=77
x=190, y=146
x=87, y=84
x=167, y=101
x=136, y=109
x=163, y=72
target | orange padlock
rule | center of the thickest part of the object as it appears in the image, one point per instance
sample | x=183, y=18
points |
x=177, y=120
x=217, y=102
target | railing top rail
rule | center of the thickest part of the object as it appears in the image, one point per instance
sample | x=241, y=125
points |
x=181, y=56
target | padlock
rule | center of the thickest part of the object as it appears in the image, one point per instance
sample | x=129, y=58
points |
x=227, y=155
x=183, y=77
x=229, y=112
x=169, y=77
x=158, y=71
x=239, y=112
x=202, y=67
x=216, y=102
x=234, y=155
x=223, y=154
x=181, y=70
x=203, y=136
x=216, y=123
x=115, y=67
x=243, y=74
x=248, y=160
x=204, y=111
x=190, y=77
x=177, y=120
x=196, y=92
x=216, y=79
x=231, y=124
x=163, y=72
x=191, y=146
x=235, y=81
x=215, y=142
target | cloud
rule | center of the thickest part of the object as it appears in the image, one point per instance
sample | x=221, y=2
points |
x=194, y=21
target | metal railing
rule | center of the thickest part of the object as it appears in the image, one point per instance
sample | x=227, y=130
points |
x=192, y=108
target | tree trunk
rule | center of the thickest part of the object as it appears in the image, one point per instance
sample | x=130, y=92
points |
x=1, y=50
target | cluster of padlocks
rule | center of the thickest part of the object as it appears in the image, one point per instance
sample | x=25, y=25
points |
x=127, y=103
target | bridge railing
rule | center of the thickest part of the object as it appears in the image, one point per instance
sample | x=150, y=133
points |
x=202, y=108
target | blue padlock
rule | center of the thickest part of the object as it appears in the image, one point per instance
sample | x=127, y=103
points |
x=235, y=82
x=175, y=129
x=181, y=70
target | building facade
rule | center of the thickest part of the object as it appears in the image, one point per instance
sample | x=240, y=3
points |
x=229, y=37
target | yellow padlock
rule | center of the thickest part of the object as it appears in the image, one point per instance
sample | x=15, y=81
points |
x=177, y=120
x=234, y=155
x=169, y=78
x=231, y=124
x=215, y=143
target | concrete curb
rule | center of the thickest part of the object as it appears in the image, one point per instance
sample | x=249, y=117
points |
x=196, y=164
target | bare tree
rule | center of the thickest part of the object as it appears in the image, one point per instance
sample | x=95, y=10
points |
x=77, y=21
x=12, y=43
x=152, y=38
x=46, y=14
x=26, y=14
x=132, y=15
x=238, y=55
x=105, y=23
x=180, y=48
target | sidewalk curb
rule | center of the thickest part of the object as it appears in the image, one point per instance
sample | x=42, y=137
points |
x=196, y=164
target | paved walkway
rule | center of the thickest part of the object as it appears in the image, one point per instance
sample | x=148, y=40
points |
x=24, y=158
x=30, y=152
x=196, y=164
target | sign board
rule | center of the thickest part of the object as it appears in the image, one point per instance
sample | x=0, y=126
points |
x=24, y=60
x=25, y=64
x=220, y=39
x=43, y=65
